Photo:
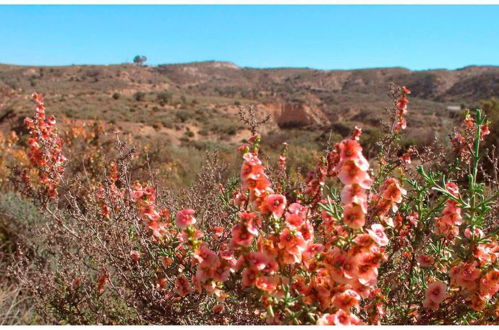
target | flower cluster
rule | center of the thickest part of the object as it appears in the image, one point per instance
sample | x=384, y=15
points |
x=391, y=194
x=253, y=177
x=463, y=139
x=107, y=198
x=435, y=294
x=400, y=122
x=212, y=268
x=352, y=170
x=478, y=287
x=448, y=223
x=338, y=276
x=315, y=181
x=154, y=220
x=45, y=147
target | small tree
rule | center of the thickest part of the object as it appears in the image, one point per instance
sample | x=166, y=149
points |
x=139, y=60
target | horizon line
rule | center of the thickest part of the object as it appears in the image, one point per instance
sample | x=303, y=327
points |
x=252, y=67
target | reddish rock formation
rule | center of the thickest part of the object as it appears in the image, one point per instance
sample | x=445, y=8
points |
x=295, y=114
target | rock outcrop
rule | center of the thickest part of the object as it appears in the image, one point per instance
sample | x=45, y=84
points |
x=288, y=115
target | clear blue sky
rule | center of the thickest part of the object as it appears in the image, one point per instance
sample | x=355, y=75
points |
x=324, y=37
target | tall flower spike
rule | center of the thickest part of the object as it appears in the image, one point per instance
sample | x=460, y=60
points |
x=45, y=147
x=400, y=122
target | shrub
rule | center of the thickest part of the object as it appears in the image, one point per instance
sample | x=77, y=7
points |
x=139, y=96
x=408, y=238
x=183, y=116
x=203, y=132
x=164, y=98
x=167, y=123
x=157, y=125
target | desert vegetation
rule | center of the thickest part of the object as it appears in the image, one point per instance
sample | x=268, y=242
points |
x=98, y=227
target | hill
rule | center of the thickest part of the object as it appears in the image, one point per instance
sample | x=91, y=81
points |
x=199, y=101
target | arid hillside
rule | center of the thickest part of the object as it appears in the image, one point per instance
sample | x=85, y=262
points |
x=200, y=101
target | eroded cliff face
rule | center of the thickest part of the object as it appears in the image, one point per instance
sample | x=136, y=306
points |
x=286, y=115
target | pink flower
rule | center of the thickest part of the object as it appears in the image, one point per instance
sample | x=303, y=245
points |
x=484, y=129
x=365, y=241
x=293, y=244
x=377, y=233
x=413, y=218
x=353, y=216
x=354, y=194
x=259, y=261
x=218, y=231
x=205, y=256
x=351, y=150
x=252, y=167
x=150, y=213
x=289, y=240
x=436, y=292
x=392, y=190
x=51, y=121
x=307, y=231
x=135, y=255
x=182, y=286
x=357, y=132
x=478, y=302
x=185, y=218
x=297, y=208
x=425, y=260
x=468, y=121
x=346, y=300
x=249, y=220
x=265, y=283
x=274, y=204
x=241, y=236
x=221, y=273
x=344, y=266
x=399, y=124
x=405, y=158
x=249, y=277
x=339, y=318
x=218, y=309
x=402, y=104
x=294, y=220
x=310, y=253
x=296, y=214
x=428, y=303
x=489, y=284
x=366, y=271
x=350, y=173
x=452, y=188
x=465, y=275
x=476, y=232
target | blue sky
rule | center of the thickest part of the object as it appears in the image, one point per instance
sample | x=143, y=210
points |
x=323, y=37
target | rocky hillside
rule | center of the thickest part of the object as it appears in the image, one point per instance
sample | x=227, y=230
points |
x=437, y=85
x=196, y=101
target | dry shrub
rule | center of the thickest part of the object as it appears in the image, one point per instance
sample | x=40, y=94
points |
x=409, y=239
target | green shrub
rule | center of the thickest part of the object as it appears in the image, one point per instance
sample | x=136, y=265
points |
x=164, y=97
x=183, y=116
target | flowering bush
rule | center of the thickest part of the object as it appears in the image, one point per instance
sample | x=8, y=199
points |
x=407, y=238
